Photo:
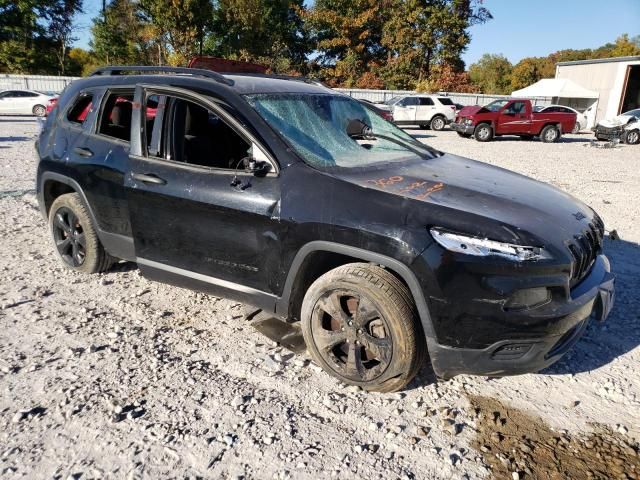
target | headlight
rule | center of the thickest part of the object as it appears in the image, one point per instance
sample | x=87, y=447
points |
x=482, y=247
x=468, y=121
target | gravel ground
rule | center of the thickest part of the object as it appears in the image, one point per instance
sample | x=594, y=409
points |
x=113, y=376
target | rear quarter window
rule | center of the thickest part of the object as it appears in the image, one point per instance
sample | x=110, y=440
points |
x=80, y=109
x=445, y=101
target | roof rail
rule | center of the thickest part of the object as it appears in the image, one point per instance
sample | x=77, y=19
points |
x=119, y=69
x=297, y=78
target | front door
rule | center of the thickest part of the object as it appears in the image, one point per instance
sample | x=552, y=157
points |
x=405, y=110
x=198, y=219
x=514, y=118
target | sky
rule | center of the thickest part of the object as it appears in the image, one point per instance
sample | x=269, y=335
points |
x=520, y=28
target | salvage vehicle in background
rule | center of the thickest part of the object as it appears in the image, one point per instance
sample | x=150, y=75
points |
x=427, y=111
x=512, y=117
x=581, y=119
x=373, y=249
x=24, y=102
x=386, y=114
x=625, y=127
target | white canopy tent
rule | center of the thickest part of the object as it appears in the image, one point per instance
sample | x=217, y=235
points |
x=564, y=92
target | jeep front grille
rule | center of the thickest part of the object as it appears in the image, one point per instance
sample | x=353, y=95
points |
x=584, y=249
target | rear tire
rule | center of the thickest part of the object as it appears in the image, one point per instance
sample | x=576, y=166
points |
x=631, y=137
x=39, y=110
x=360, y=325
x=483, y=133
x=438, y=123
x=550, y=134
x=76, y=241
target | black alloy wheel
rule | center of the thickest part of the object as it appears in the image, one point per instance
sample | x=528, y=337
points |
x=69, y=237
x=351, y=335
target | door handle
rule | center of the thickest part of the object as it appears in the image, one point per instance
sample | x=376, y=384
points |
x=149, y=178
x=83, y=152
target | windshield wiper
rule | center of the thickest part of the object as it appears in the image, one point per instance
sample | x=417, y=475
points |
x=357, y=129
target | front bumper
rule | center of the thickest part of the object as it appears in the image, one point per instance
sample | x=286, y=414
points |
x=608, y=133
x=592, y=298
x=462, y=128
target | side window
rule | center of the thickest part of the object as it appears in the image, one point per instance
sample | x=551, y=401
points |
x=184, y=131
x=515, y=108
x=446, y=101
x=426, y=102
x=81, y=107
x=29, y=94
x=115, y=120
x=409, y=101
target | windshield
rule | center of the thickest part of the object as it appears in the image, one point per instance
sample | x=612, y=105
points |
x=315, y=125
x=495, y=106
x=394, y=100
x=633, y=113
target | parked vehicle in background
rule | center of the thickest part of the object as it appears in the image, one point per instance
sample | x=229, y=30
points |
x=51, y=103
x=581, y=119
x=23, y=102
x=427, y=111
x=625, y=127
x=512, y=117
x=219, y=183
x=386, y=114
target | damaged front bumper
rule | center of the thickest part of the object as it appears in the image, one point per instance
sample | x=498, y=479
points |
x=593, y=298
x=462, y=128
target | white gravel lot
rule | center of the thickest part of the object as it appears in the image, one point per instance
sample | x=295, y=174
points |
x=113, y=376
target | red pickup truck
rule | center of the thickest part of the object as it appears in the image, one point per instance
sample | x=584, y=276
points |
x=512, y=117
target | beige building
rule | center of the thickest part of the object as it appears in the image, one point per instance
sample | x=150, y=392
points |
x=617, y=80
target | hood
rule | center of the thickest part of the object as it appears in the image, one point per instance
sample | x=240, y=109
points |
x=468, y=111
x=477, y=199
x=617, y=121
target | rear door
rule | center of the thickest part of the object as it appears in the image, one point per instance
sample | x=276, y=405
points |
x=198, y=219
x=514, y=118
x=404, y=111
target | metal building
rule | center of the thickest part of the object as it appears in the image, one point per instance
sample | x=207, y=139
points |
x=617, y=80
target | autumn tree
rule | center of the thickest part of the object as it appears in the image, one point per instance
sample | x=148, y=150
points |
x=531, y=69
x=348, y=37
x=444, y=78
x=492, y=74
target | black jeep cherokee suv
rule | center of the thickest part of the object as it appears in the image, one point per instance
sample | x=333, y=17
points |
x=292, y=198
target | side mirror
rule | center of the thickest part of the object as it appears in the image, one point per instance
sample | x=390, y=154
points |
x=357, y=128
x=255, y=166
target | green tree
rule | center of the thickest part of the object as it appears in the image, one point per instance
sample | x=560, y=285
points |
x=61, y=27
x=182, y=24
x=265, y=31
x=423, y=34
x=492, y=74
x=117, y=35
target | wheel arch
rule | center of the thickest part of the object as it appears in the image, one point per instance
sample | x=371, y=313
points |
x=302, y=273
x=53, y=185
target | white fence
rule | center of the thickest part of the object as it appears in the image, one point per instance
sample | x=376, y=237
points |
x=462, y=98
x=40, y=83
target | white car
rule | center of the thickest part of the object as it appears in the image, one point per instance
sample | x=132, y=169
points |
x=625, y=127
x=23, y=102
x=581, y=119
x=428, y=111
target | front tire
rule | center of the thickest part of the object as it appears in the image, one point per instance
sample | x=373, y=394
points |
x=550, y=134
x=76, y=241
x=631, y=137
x=438, y=123
x=483, y=133
x=39, y=111
x=360, y=325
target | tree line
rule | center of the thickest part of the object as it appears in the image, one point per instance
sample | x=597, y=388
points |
x=393, y=44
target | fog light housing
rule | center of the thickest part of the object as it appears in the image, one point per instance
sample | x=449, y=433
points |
x=528, y=298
